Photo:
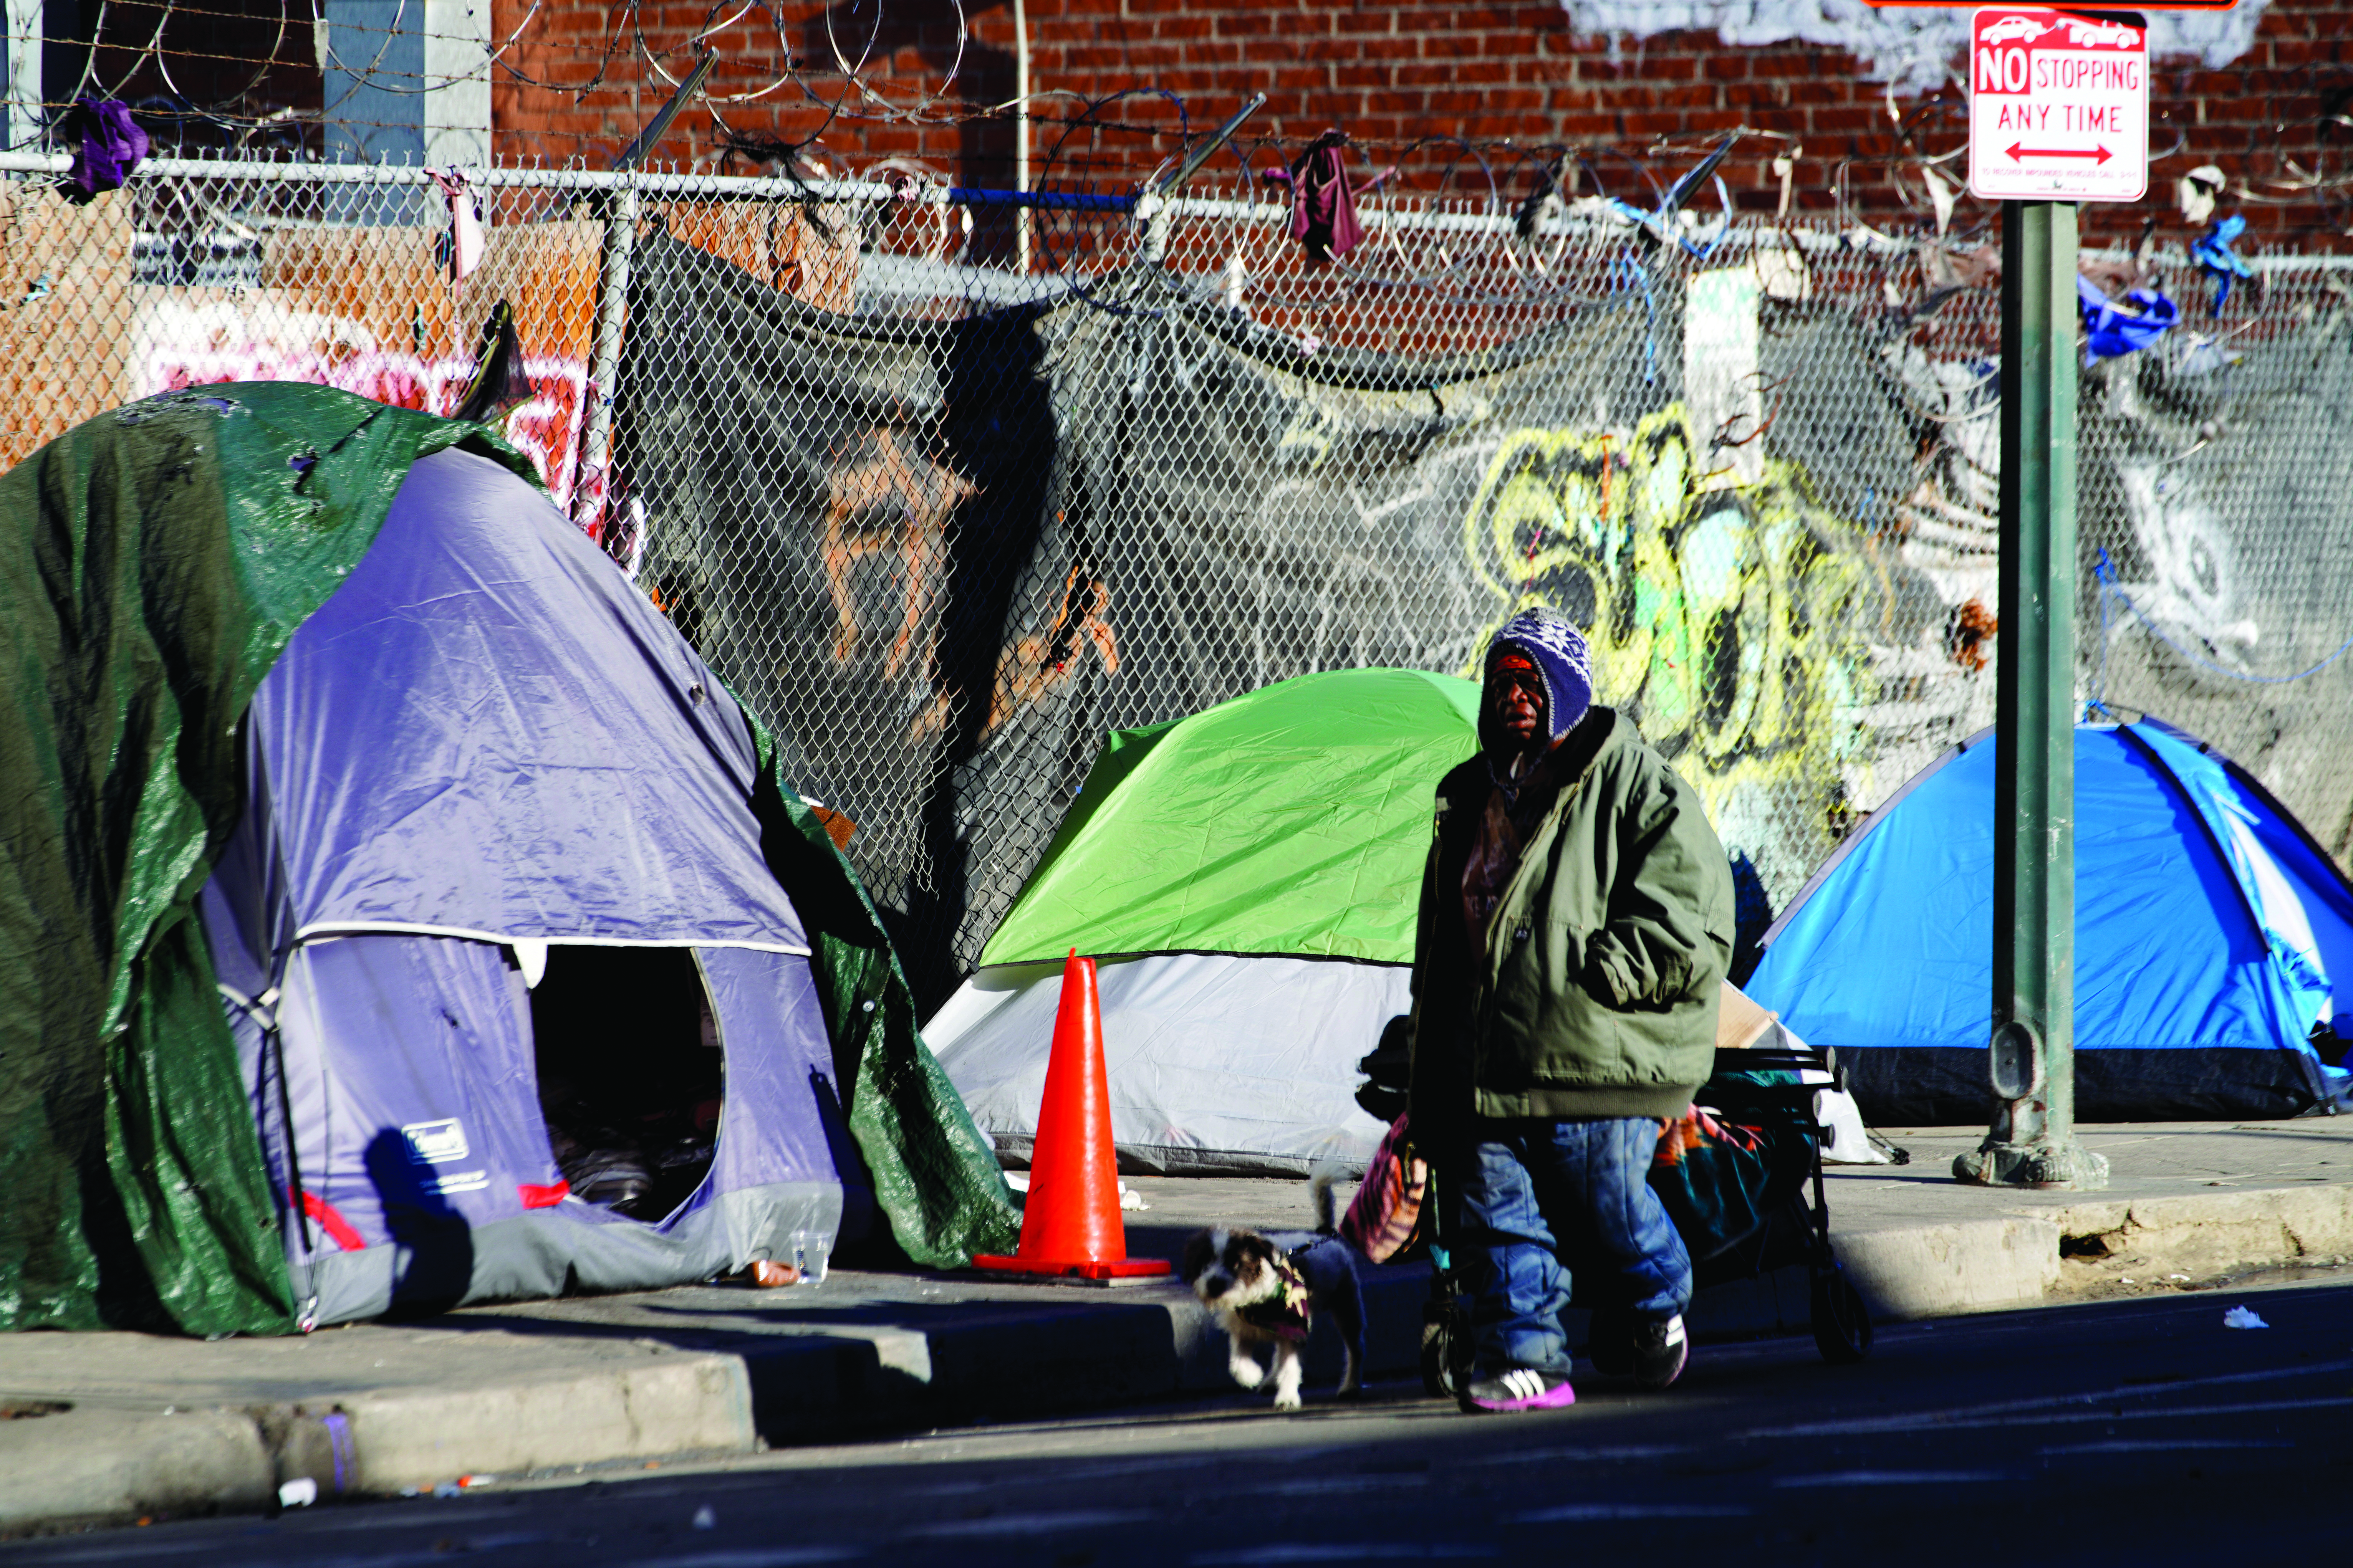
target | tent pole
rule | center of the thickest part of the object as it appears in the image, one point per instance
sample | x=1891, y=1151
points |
x=2031, y=1059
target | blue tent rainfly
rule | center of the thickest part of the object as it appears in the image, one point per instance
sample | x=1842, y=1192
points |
x=2212, y=935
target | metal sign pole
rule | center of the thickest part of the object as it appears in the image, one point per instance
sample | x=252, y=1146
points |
x=2033, y=1061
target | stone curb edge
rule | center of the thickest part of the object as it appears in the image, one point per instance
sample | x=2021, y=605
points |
x=96, y=1466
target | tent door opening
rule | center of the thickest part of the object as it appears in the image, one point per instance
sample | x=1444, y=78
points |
x=631, y=1074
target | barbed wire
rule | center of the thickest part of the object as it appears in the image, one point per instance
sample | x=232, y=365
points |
x=847, y=68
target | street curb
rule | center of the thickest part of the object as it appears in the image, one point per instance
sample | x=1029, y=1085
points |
x=1944, y=1270
x=98, y=1466
x=672, y=1404
x=2205, y=1233
x=94, y=1465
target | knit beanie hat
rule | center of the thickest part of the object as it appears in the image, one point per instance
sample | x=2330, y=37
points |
x=1548, y=640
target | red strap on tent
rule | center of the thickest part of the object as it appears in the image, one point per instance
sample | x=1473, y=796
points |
x=337, y=1227
x=542, y=1198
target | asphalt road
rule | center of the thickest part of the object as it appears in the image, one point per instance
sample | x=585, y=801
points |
x=2142, y=1431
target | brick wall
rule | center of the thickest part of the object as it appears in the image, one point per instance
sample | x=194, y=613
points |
x=1407, y=80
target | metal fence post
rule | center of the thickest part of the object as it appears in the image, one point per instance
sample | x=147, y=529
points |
x=2031, y=1061
x=588, y=481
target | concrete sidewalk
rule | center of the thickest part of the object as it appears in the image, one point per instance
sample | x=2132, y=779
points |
x=111, y=1427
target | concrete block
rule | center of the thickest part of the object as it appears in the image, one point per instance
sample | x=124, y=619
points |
x=1394, y=1294
x=2211, y=1232
x=666, y=1405
x=1938, y=1270
x=1776, y=1302
x=1053, y=1358
x=805, y=1386
x=1200, y=1347
x=89, y=1465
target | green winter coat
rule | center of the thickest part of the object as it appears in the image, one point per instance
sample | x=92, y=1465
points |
x=1595, y=993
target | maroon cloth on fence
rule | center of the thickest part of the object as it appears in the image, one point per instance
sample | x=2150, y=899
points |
x=1323, y=210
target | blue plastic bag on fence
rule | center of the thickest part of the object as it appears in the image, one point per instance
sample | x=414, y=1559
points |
x=2212, y=252
x=2113, y=328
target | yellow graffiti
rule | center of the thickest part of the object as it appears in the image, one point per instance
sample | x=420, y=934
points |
x=1722, y=621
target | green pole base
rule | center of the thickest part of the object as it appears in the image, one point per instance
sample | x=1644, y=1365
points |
x=2068, y=1166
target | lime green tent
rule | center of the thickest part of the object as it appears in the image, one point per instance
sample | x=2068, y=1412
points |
x=1250, y=876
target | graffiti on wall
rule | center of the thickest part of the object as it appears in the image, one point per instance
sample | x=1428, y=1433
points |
x=180, y=344
x=1913, y=49
x=1033, y=665
x=1729, y=623
x=883, y=497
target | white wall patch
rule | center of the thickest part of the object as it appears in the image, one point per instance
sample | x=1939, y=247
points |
x=1915, y=49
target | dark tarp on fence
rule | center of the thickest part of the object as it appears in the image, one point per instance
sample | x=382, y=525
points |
x=950, y=547
x=949, y=555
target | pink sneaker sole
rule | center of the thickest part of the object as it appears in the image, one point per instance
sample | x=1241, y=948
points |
x=1557, y=1397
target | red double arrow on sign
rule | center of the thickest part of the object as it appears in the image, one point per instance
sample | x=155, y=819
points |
x=2100, y=154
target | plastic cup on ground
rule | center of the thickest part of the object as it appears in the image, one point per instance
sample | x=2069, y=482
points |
x=810, y=1250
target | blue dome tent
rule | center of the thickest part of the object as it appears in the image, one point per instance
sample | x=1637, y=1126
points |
x=2212, y=935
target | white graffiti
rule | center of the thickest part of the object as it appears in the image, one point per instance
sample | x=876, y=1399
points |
x=1913, y=49
x=2193, y=578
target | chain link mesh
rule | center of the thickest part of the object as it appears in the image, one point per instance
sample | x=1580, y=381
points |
x=943, y=525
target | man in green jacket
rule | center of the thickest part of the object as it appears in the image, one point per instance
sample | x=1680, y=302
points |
x=1576, y=918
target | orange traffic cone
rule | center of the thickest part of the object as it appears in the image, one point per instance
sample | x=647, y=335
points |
x=1071, y=1226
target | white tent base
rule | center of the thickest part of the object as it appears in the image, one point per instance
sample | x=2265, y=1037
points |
x=1219, y=1064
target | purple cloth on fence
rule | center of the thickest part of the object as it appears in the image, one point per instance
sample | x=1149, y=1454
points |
x=111, y=146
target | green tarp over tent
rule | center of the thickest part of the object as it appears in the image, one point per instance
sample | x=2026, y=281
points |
x=165, y=554
x=1292, y=820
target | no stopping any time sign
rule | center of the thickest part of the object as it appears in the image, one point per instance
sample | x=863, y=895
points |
x=2058, y=106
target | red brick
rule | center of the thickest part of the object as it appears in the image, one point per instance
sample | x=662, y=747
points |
x=1710, y=121
x=1840, y=121
x=1688, y=98
x=1648, y=124
x=1500, y=18
x=1585, y=123
x=1386, y=47
x=1495, y=127
x=1756, y=97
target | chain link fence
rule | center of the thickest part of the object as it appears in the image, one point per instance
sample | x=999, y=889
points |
x=943, y=525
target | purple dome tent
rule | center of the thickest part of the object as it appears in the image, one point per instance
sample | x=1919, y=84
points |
x=398, y=911
x=485, y=746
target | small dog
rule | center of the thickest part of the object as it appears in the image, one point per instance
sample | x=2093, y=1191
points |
x=1268, y=1290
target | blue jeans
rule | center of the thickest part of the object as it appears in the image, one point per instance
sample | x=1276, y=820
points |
x=1530, y=1192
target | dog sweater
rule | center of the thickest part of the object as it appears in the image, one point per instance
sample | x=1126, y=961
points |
x=1285, y=1313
